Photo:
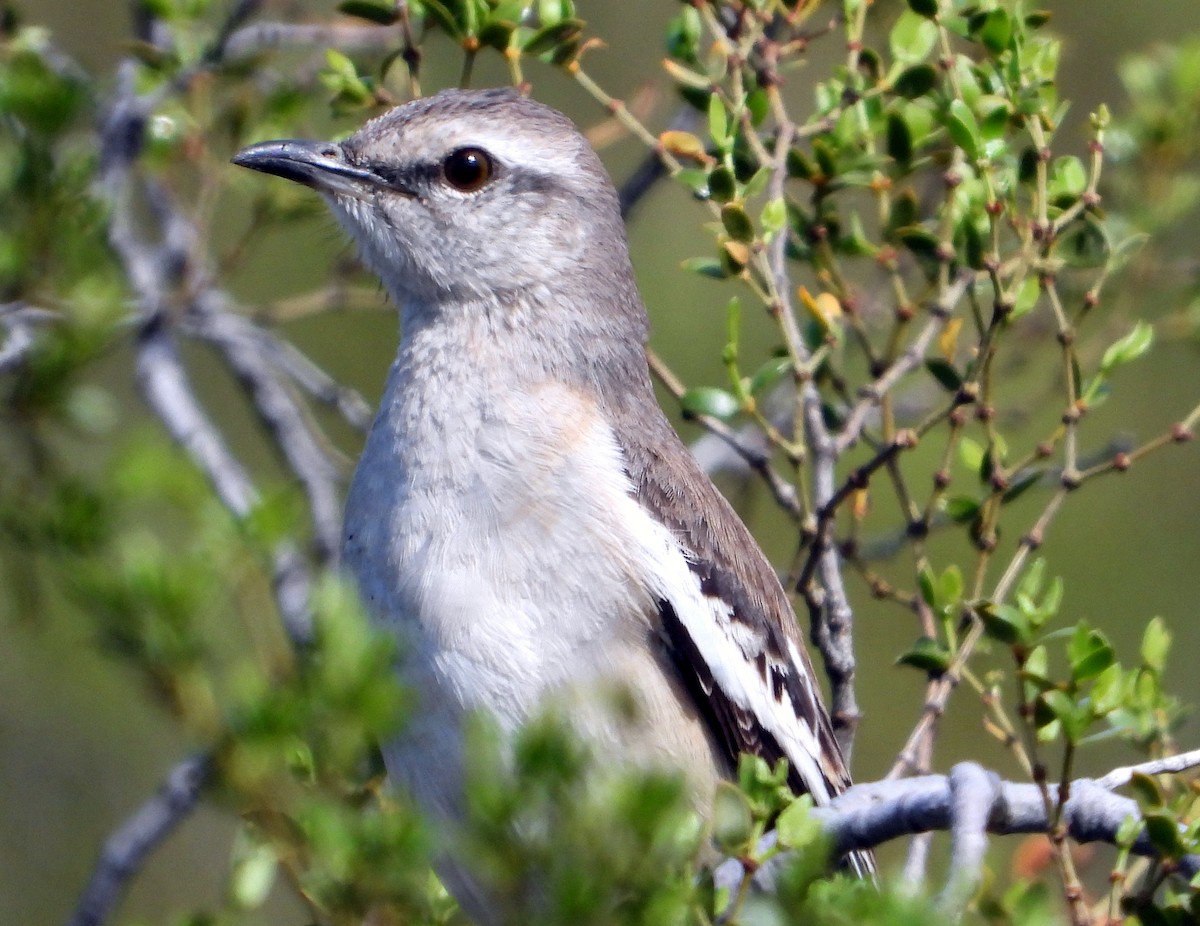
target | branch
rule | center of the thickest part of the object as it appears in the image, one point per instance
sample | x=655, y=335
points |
x=126, y=849
x=909, y=360
x=969, y=803
x=237, y=340
x=274, y=36
x=20, y=320
x=162, y=272
x=652, y=169
x=744, y=444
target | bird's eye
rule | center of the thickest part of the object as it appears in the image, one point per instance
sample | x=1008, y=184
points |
x=468, y=169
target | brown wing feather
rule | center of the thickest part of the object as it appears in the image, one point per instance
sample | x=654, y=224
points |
x=670, y=484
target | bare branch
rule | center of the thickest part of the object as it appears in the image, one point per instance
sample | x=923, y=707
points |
x=1171, y=765
x=968, y=802
x=127, y=847
x=909, y=360
x=283, y=418
x=313, y=380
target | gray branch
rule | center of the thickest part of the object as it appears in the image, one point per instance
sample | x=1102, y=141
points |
x=970, y=803
x=237, y=340
x=127, y=847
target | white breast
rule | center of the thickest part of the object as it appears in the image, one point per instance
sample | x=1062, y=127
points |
x=496, y=535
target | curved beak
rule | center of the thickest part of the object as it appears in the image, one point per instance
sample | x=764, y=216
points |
x=321, y=165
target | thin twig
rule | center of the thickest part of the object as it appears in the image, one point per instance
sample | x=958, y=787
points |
x=754, y=456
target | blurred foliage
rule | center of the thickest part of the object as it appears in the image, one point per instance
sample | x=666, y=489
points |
x=923, y=158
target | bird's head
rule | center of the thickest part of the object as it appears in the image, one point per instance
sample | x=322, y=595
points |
x=463, y=195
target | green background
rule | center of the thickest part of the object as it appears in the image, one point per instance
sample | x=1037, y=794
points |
x=81, y=745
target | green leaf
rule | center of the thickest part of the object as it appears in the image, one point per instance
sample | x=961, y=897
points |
x=963, y=129
x=376, y=11
x=1129, y=348
x=774, y=217
x=1025, y=480
x=1036, y=670
x=718, y=122
x=732, y=819
x=912, y=38
x=444, y=18
x=722, y=186
x=553, y=36
x=709, y=400
x=253, y=871
x=962, y=510
x=920, y=241
x=706, y=266
x=970, y=452
x=757, y=183
x=928, y=584
x=1108, y=691
x=1146, y=790
x=1073, y=716
x=769, y=374
x=905, y=211
x=759, y=105
x=496, y=34
x=899, y=140
x=1068, y=178
x=551, y=12
x=916, y=81
x=994, y=113
x=799, y=165
x=683, y=34
x=945, y=373
x=1004, y=623
x=926, y=654
x=1087, y=244
x=1033, y=579
x=737, y=223
x=1156, y=643
x=1089, y=653
x=927, y=8
x=826, y=157
x=1162, y=828
x=694, y=179
x=1027, y=298
x=995, y=33
x=796, y=828
x=950, y=588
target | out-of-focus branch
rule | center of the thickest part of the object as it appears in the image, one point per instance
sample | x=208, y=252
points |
x=126, y=848
x=279, y=412
x=348, y=37
x=20, y=321
x=652, y=169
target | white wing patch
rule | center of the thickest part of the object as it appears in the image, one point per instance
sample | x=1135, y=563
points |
x=728, y=647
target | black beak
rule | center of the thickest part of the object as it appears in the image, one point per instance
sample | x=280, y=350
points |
x=321, y=165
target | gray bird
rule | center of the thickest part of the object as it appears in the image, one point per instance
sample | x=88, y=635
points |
x=523, y=517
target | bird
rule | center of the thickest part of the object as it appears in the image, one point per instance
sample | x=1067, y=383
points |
x=523, y=517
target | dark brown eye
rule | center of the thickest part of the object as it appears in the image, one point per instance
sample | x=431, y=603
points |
x=468, y=169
